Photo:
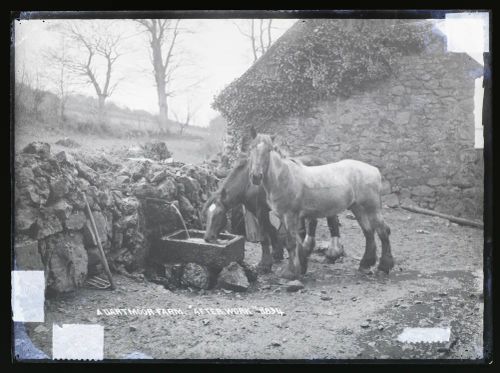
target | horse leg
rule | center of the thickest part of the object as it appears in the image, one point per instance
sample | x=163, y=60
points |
x=335, y=249
x=295, y=252
x=266, y=260
x=276, y=243
x=370, y=256
x=386, y=262
x=310, y=237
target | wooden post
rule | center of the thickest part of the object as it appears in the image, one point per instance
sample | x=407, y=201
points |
x=101, y=251
x=462, y=221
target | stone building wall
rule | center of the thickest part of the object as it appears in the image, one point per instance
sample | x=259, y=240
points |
x=417, y=128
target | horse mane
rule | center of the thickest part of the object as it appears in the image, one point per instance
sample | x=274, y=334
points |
x=241, y=162
x=210, y=200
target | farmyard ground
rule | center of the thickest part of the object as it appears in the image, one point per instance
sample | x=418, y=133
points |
x=340, y=314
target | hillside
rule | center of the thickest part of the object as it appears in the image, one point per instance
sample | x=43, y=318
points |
x=81, y=114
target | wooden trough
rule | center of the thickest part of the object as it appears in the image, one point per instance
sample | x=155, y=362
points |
x=178, y=248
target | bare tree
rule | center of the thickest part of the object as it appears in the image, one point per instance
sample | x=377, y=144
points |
x=186, y=122
x=100, y=48
x=58, y=60
x=20, y=89
x=38, y=95
x=260, y=38
x=163, y=36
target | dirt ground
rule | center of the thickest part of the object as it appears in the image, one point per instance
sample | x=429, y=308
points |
x=340, y=314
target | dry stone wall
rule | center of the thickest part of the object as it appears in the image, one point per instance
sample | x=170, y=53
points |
x=131, y=202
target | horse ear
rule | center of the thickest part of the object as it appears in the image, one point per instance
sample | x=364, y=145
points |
x=253, y=132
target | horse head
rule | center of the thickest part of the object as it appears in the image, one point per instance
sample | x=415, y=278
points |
x=260, y=149
x=215, y=210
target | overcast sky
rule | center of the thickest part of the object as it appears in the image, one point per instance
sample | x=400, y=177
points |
x=214, y=51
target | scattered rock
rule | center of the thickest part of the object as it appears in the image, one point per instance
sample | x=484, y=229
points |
x=159, y=177
x=324, y=297
x=132, y=328
x=41, y=149
x=65, y=157
x=196, y=276
x=365, y=324
x=67, y=142
x=156, y=150
x=422, y=231
x=233, y=277
x=391, y=200
x=294, y=286
x=250, y=271
x=87, y=173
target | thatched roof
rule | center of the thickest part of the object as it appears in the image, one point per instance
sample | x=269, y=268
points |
x=317, y=58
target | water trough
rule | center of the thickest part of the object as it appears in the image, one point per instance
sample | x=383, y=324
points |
x=190, y=247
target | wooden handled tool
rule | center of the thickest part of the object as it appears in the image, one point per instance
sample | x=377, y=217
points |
x=99, y=246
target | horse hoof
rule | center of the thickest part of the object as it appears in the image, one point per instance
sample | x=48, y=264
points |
x=332, y=259
x=288, y=275
x=264, y=268
x=334, y=253
x=367, y=262
x=385, y=265
x=365, y=271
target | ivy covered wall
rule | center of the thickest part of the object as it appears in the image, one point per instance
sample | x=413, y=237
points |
x=413, y=118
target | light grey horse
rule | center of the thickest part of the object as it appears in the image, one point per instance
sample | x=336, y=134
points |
x=295, y=192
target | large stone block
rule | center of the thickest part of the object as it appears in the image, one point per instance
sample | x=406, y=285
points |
x=25, y=218
x=402, y=117
x=102, y=230
x=233, y=277
x=47, y=224
x=436, y=181
x=76, y=221
x=422, y=190
x=68, y=260
x=167, y=189
x=59, y=187
x=27, y=257
x=62, y=209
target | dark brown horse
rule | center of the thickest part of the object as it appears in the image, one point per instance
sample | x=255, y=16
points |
x=237, y=189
